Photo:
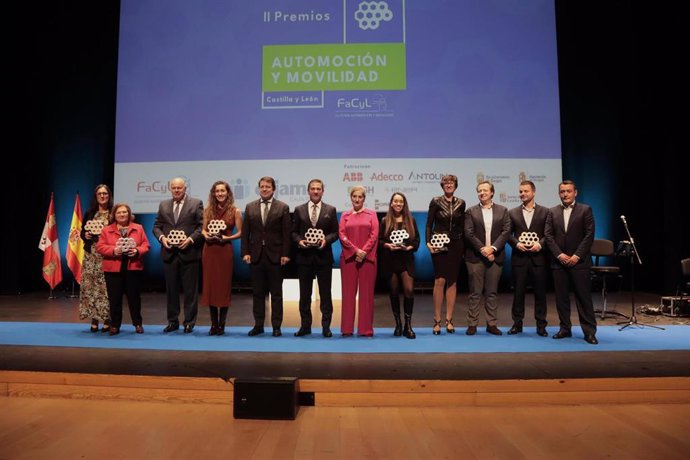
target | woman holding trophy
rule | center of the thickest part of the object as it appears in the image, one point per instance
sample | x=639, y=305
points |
x=123, y=245
x=399, y=240
x=444, y=239
x=221, y=217
x=93, y=296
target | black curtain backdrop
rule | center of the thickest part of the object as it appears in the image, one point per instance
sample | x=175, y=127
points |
x=619, y=76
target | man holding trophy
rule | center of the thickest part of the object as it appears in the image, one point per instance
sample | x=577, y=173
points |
x=178, y=228
x=314, y=229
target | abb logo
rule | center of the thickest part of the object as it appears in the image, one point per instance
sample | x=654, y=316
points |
x=353, y=177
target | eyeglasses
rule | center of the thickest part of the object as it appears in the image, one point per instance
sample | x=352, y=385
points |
x=103, y=193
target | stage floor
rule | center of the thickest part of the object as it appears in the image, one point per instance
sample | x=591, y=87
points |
x=636, y=355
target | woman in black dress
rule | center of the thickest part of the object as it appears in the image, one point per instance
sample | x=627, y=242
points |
x=397, y=259
x=446, y=216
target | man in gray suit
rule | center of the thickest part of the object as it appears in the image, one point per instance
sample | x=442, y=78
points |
x=266, y=246
x=569, y=234
x=487, y=226
x=180, y=261
x=314, y=261
x=529, y=261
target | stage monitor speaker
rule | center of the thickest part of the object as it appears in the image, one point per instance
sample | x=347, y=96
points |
x=266, y=398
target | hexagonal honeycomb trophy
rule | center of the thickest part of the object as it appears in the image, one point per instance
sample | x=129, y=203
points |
x=176, y=237
x=528, y=238
x=398, y=237
x=125, y=244
x=216, y=226
x=314, y=236
x=439, y=241
x=95, y=226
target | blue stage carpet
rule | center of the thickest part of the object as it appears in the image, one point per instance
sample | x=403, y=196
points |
x=236, y=339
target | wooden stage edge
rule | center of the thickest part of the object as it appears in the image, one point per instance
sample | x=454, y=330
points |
x=354, y=393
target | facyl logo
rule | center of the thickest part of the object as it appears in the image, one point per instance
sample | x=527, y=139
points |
x=353, y=177
x=375, y=103
x=159, y=186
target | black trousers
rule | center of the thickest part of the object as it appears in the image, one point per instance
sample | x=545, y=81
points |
x=324, y=275
x=267, y=277
x=185, y=274
x=578, y=281
x=522, y=275
x=124, y=283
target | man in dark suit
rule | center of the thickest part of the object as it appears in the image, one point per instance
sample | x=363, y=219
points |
x=314, y=260
x=569, y=234
x=266, y=246
x=529, y=261
x=180, y=261
x=487, y=226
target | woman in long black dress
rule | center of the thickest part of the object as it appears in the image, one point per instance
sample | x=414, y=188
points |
x=397, y=259
x=446, y=216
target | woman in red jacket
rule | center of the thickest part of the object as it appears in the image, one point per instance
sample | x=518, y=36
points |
x=359, y=235
x=123, y=245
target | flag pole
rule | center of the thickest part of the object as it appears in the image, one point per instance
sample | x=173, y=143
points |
x=51, y=296
x=73, y=295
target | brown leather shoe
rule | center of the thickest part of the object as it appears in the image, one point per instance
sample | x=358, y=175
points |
x=471, y=330
x=139, y=329
x=493, y=330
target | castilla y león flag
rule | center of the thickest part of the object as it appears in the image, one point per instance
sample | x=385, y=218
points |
x=52, y=269
x=75, y=245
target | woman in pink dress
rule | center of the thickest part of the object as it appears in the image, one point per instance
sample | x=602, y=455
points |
x=359, y=233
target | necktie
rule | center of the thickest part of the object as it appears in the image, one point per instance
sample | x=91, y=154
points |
x=177, y=210
x=264, y=213
x=313, y=215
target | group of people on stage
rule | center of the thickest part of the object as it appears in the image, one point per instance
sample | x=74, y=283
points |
x=193, y=237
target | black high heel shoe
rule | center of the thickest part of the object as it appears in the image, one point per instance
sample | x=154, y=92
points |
x=94, y=325
x=436, y=330
x=449, y=326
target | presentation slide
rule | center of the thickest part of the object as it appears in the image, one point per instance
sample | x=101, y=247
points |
x=386, y=94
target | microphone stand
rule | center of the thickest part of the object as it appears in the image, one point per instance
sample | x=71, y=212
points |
x=633, y=255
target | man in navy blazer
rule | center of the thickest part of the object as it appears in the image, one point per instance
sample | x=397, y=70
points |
x=314, y=261
x=529, y=262
x=569, y=234
x=484, y=256
x=180, y=261
x=266, y=246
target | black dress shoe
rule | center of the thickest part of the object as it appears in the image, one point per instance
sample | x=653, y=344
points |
x=188, y=328
x=471, y=330
x=327, y=332
x=493, y=330
x=276, y=332
x=256, y=330
x=139, y=329
x=516, y=329
x=114, y=331
x=562, y=334
x=213, y=330
x=303, y=331
x=541, y=331
x=591, y=339
x=171, y=327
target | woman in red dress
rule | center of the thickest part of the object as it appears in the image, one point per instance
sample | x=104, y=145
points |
x=216, y=259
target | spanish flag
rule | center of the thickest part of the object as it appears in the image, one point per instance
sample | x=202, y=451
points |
x=75, y=245
x=52, y=268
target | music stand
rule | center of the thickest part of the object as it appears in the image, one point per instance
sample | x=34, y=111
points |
x=628, y=248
